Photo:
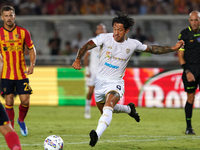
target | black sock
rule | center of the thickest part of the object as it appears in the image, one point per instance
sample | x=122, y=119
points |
x=188, y=114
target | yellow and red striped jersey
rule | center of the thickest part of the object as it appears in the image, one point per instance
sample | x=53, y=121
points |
x=12, y=50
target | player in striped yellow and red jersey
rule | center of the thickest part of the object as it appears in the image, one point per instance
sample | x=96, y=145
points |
x=12, y=51
x=14, y=78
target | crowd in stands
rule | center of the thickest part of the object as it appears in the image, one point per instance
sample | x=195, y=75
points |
x=101, y=7
x=71, y=47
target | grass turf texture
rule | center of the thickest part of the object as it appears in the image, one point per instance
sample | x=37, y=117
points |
x=159, y=128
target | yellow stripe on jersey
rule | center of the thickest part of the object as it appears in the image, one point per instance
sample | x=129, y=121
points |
x=5, y=64
x=11, y=65
x=22, y=54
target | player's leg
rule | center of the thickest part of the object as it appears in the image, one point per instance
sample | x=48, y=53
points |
x=88, y=101
x=8, y=89
x=24, y=106
x=10, y=136
x=111, y=100
x=7, y=131
x=9, y=99
x=23, y=90
x=188, y=112
x=23, y=110
x=122, y=109
x=93, y=135
x=100, y=106
x=129, y=109
x=190, y=88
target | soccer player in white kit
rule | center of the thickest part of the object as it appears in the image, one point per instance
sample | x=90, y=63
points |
x=91, y=61
x=116, y=51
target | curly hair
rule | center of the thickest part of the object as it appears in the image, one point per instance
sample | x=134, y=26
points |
x=123, y=19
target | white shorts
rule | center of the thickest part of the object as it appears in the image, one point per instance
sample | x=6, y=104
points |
x=104, y=86
x=90, y=81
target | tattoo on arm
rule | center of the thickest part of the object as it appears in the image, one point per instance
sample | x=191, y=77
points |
x=154, y=49
x=89, y=45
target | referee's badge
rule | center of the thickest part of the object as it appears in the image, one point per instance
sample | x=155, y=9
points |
x=128, y=50
x=198, y=39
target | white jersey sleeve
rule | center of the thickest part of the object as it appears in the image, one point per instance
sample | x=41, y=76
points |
x=140, y=47
x=99, y=39
x=114, y=56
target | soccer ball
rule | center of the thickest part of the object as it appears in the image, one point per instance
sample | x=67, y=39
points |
x=53, y=142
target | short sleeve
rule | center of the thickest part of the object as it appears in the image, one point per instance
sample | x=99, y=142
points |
x=99, y=39
x=28, y=40
x=181, y=37
x=139, y=46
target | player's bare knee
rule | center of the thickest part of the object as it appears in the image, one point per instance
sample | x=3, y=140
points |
x=191, y=97
x=25, y=102
x=114, y=93
x=191, y=101
x=9, y=99
x=25, y=99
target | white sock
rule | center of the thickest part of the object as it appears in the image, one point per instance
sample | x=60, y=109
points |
x=87, y=104
x=122, y=109
x=104, y=120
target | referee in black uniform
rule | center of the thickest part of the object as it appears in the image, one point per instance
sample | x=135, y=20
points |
x=189, y=59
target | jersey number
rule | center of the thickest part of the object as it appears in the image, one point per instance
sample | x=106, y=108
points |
x=27, y=87
x=118, y=87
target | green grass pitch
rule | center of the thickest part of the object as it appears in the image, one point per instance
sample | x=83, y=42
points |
x=159, y=129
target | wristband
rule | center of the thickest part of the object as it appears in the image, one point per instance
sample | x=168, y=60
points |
x=184, y=66
x=32, y=65
x=87, y=70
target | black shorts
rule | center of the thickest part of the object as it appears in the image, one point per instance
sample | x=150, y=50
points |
x=15, y=86
x=191, y=87
x=3, y=116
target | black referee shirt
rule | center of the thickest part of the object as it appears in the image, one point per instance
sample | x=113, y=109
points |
x=192, y=45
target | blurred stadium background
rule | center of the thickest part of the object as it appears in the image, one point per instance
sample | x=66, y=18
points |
x=55, y=83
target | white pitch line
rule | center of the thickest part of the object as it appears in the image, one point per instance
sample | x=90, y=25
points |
x=125, y=136
x=67, y=135
x=168, y=138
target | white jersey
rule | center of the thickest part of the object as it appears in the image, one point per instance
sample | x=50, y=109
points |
x=114, y=56
x=93, y=65
x=94, y=59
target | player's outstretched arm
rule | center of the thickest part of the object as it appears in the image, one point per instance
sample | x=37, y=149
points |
x=77, y=63
x=155, y=49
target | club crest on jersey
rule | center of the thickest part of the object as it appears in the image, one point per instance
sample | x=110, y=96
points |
x=109, y=55
x=5, y=48
x=17, y=36
x=128, y=50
